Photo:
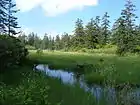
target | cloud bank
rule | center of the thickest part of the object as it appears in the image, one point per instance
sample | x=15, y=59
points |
x=54, y=7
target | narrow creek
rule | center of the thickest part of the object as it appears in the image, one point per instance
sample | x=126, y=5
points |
x=99, y=92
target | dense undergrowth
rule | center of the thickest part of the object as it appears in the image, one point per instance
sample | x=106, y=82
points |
x=23, y=86
x=12, y=52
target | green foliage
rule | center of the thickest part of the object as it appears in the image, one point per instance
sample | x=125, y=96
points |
x=11, y=23
x=109, y=46
x=3, y=18
x=27, y=87
x=39, y=51
x=32, y=89
x=30, y=39
x=8, y=20
x=29, y=47
x=92, y=32
x=57, y=43
x=45, y=42
x=96, y=34
x=79, y=33
x=12, y=51
x=83, y=50
x=137, y=49
x=65, y=41
x=22, y=37
x=125, y=25
x=94, y=78
x=69, y=61
x=105, y=34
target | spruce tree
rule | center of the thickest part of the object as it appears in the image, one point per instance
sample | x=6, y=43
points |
x=92, y=32
x=3, y=16
x=79, y=33
x=11, y=22
x=105, y=29
x=125, y=30
x=65, y=41
x=31, y=39
x=37, y=42
x=89, y=31
x=45, y=42
x=22, y=37
x=57, y=43
x=97, y=31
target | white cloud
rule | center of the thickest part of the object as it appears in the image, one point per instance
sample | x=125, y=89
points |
x=54, y=7
x=27, y=5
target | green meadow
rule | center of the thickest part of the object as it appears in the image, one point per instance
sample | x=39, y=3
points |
x=96, y=67
x=23, y=86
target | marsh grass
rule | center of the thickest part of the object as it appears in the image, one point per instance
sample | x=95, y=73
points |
x=23, y=86
x=127, y=68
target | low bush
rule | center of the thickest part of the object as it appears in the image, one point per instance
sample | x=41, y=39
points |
x=109, y=46
x=39, y=51
x=30, y=47
x=23, y=86
x=32, y=89
x=137, y=49
x=12, y=51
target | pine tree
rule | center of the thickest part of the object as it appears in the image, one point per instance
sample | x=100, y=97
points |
x=57, y=43
x=11, y=22
x=137, y=35
x=37, y=42
x=97, y=34
x=51, y=43
x=79, y=33
x=3, y=15
x=125, y=30
x=45, y=42
x=65, y=41
x=31, y=38
x=89, y=31
x=22, y=37
x=105, y=29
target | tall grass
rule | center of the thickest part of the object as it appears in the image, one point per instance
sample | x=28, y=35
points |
x=127, y=68
x=24, y=86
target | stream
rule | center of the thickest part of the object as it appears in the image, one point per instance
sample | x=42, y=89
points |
x=99, y=92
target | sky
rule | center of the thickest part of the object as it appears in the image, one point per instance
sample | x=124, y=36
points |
x=59, y=16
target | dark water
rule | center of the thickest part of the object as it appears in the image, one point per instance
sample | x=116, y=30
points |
x=109, y=94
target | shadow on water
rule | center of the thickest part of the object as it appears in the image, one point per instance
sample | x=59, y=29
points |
x=106, y=93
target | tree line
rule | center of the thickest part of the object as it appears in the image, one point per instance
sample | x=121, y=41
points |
x=97, y=33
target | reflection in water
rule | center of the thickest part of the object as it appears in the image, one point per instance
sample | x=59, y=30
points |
x=71, y=78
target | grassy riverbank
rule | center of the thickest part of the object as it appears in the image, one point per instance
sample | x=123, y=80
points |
x=23, y=86
x=120, y=69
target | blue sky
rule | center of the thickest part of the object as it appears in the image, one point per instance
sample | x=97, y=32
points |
x=58, y=16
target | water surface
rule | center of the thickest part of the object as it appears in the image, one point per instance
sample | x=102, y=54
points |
x=109, y=94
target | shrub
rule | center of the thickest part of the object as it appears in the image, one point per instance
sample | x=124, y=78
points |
x=83, y=50
x=32, y=90
x=137, y=49
x=12, y=51
x=39, y=51
x=30, y=47
x=109, y=46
